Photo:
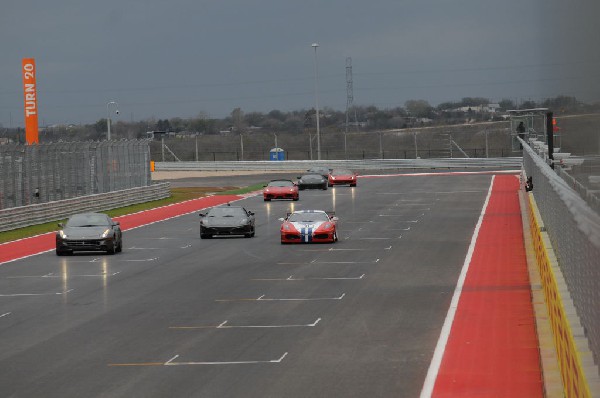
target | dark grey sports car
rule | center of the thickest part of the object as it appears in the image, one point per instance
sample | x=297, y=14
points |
x=227, y=220
x=323, y=170
x=312, y=181
x=89, y=232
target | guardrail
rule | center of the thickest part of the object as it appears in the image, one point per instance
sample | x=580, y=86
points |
x=368, y=164
x=24, y=216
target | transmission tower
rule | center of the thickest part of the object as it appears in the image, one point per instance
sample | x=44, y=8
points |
x=349, y=94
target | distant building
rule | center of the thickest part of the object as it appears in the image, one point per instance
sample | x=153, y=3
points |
x=156, y=135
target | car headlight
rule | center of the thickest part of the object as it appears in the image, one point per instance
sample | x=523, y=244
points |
x=105, y=233
x=244, y=221
x=62, y=234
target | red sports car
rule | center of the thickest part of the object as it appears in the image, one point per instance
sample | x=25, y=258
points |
x=280, y=189
x=342, y=177
x=306, y=226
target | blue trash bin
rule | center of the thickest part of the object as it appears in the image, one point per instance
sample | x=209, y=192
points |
x=276, y=154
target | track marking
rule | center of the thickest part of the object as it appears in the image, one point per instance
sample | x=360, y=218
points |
x=51, y=275
x=224, y=325
x=438, y=354
x=143, y=248
x=143, y=260
x=36, y=294
x=291, y=278
x=398, y=215
x=262, y=298
x=8, y=313
x=171, y=362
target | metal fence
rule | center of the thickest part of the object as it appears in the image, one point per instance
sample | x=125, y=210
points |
x=31, y=174
x=23, y=216
x=574, y=229
x=367, y=164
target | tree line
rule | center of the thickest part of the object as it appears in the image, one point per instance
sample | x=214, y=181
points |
x=414, y=113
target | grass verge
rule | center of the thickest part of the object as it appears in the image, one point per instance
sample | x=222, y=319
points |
x=177, y=195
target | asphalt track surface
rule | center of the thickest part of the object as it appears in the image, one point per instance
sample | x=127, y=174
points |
x=176, y=316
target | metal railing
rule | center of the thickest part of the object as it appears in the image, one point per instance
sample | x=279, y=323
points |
x=368, y=164
x=574, y=230
x=33, y=174
x=23, y=216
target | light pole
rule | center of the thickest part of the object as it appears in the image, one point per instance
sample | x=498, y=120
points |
x=315, y=45
x=108, y=116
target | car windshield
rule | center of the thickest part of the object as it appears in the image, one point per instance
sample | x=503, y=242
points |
x=308, y=217
x=312, y=177
x=88, y=220
x=282, y=183
x=319, y=170
x=226, y=212
x=341, y=173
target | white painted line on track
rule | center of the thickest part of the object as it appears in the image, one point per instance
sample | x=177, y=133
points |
x=291, y=278
x=51, y=275
x=186, y=246
x=143, y=248
x=387, y=238
x=142, y=260
x=438, y=354
x=398, y=215
x=224, y=325
x=8, y=313
x=36, y=294
x=346, y=262
x=262, y=298
x=94, y=260
x=172, y=363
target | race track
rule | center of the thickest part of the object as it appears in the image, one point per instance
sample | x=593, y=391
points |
x=176, y=316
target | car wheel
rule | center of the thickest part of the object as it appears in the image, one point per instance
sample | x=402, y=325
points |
x=60, y=252
x=120, y=246
x=324, y=188
x=267, y=200
x=335, y=238
x=112, y=250
x=352, y=185
x=205, y=236
x=329, y=184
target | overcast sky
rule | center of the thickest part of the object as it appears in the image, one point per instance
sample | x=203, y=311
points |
x=180, y=58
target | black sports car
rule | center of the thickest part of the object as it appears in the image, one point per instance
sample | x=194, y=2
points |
x=89, y=232
x=312, y=181
x=227, y=220
x=323, y=170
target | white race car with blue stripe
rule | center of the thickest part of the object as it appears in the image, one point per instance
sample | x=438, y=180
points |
x=307, y=226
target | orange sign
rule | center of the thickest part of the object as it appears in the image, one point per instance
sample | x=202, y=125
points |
x=31, y=107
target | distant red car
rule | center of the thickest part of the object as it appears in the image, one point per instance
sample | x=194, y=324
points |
x=342, y=177
x=280, y=189
x=309, y=226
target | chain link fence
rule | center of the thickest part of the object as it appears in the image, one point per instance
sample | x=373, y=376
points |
x=31, y=174
x=460, y=142
x=574, y=230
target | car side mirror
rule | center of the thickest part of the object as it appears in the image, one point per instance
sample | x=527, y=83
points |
x=334, y=219
x=264, y=186
x=61, y=225
x=299, y=177
x=201, y=214
x=117, y=223
x=251, y=213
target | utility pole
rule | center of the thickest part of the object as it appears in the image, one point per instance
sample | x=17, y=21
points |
x=349, y=100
